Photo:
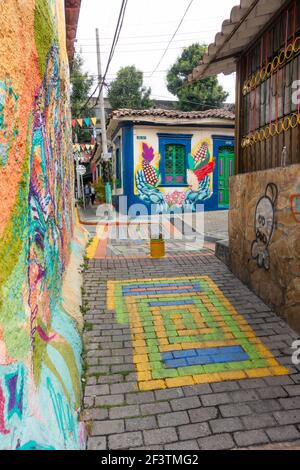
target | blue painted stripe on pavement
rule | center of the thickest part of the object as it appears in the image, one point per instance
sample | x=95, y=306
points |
x=205, y=356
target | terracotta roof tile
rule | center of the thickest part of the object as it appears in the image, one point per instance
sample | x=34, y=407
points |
x=247, y=20
x=173, y=114
x=72, y=9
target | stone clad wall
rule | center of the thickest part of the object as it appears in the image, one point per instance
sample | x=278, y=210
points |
x=40, y=343
x=264, y=255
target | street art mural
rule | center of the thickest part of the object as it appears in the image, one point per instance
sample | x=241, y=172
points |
x=40, y=345
x=264, y=226
x=8, y=124
x=199, y=178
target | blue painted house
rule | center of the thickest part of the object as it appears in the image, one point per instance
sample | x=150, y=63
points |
x=171, y=159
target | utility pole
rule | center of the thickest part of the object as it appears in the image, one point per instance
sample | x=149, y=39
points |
x=77, y=159
x=102, y=118
x=82, y=189
x=101, y=97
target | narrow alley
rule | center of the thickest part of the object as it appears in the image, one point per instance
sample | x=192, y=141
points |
x=149, y=230
x=181, y=355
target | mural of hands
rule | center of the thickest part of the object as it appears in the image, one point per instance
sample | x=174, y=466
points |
x=149, y=194
x=196, y=197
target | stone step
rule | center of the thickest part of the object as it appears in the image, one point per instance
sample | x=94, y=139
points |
x=222, y=251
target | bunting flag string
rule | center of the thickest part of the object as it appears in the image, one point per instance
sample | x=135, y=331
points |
x=83, y=147
x=87, y=122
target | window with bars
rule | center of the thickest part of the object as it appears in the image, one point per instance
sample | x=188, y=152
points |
x=270, y=99
x=175, y=164
x=269, y=115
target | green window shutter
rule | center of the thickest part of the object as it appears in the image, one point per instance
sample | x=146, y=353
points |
x=175, y=169
x=169, y=170
x=180, y=169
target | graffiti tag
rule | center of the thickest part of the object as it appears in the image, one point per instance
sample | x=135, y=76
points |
x=264, y=226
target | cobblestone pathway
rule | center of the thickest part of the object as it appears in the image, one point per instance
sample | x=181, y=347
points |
x=181, y=356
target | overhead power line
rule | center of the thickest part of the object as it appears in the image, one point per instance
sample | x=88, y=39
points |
x=199, y=103
x=131, y=44
x=112, y=51
x=115, y=41
x=139, y=50
x=112, y=76
x=190, y=20
x=115, y=74
x=187, y=33
x=87, y=101
x=176, y=31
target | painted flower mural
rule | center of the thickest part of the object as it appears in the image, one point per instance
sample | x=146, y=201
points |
x=176, y=198
x=199, y=178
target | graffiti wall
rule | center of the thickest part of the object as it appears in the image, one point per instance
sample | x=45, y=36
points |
x=199, y=179
x=176, y=168
x=265, y=237
x=40, y=346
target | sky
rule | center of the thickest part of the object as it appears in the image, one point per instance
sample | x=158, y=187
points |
x=147, y=29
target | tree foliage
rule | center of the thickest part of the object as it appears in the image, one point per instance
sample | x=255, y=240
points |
x=128, y=91
x=201, y=95
x=81, y=85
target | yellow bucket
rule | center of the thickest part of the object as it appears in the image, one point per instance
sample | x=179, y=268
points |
x=157, y=248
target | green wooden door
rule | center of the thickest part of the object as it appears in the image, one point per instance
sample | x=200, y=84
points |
x=226, y=169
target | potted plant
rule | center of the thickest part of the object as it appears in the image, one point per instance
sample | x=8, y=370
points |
x=157, y=246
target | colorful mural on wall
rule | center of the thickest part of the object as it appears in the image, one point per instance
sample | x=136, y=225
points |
x=8, y=124
x=40, y=344
x=199, y=178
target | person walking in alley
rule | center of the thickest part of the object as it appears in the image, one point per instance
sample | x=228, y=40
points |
x=93, y=195
x=87, y=194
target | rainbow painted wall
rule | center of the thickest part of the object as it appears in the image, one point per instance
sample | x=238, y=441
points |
x=40, y=344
